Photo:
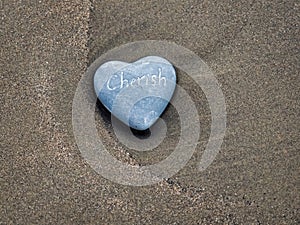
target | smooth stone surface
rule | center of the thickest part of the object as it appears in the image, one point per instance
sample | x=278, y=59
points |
x=136, y=93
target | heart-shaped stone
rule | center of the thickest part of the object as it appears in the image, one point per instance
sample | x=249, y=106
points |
x=136, y=93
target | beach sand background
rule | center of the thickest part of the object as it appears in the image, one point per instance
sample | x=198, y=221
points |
x=253, y=49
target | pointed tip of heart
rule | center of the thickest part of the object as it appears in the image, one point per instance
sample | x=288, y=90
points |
x=147, y=121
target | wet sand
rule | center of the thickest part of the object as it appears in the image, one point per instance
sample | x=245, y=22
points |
x=252, y=47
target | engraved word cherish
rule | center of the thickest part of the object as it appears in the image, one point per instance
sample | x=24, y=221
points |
x=145, y=80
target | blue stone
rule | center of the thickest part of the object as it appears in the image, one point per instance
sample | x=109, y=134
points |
x=136, y=93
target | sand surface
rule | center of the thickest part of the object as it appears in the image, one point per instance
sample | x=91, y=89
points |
x=253, y=49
